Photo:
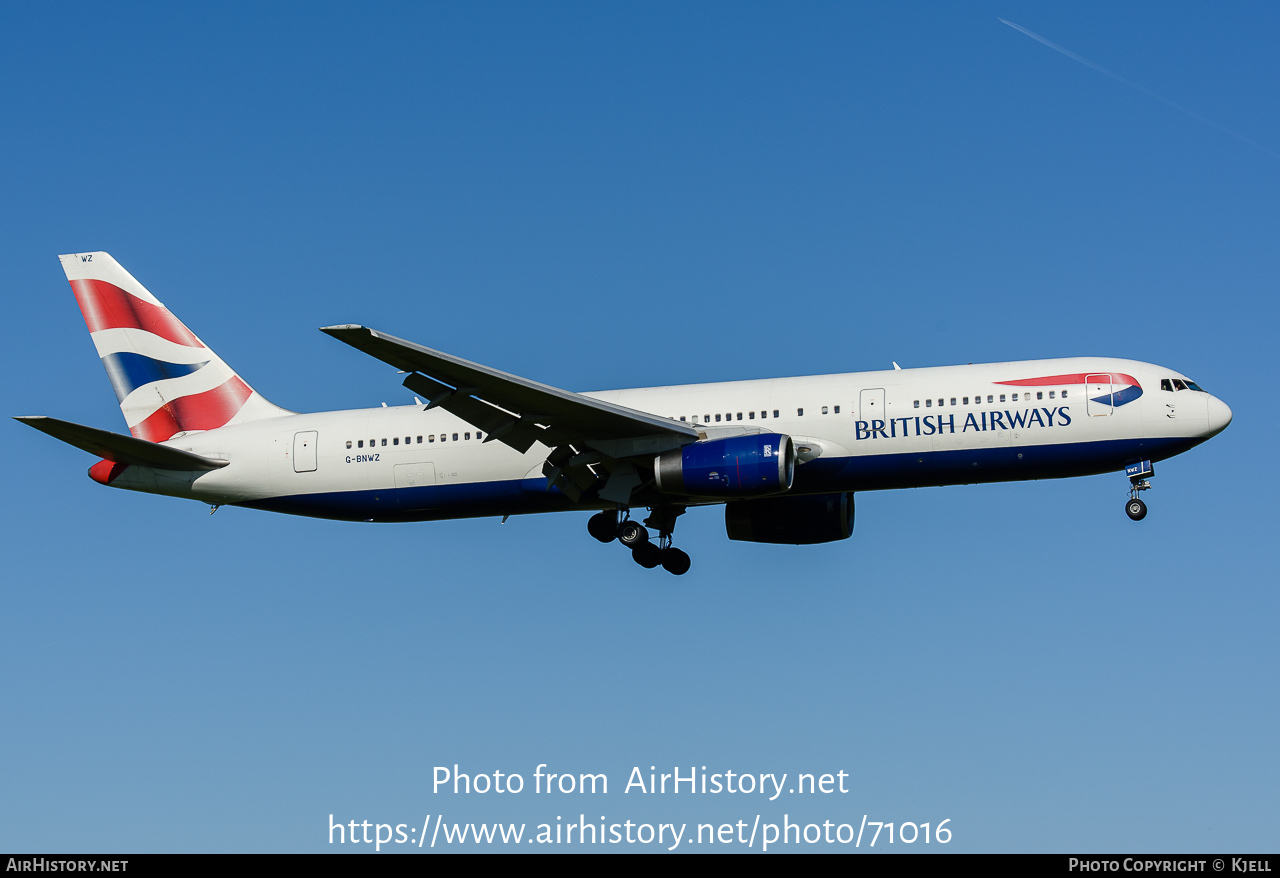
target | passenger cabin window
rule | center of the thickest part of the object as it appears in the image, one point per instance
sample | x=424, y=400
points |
x=360, y=444
x=1039, y=394
x=466, y=436
x=799, y=413
x=682, y=417
x=941, y=403
x=751, y=416
x=1002, y=397
x=395, y=441
x=444, y=437
x=928, y=403
x=915, y=404
x=717, y=417
x=348, y=443
x=966, y=400
x=455, y=437
x=1015, y=397
x=1064, y=394
x=775, y=413
x=1050, y=394
x=739, y=416
x=953, y=400
x=384, y=443
x=824, y=409
x=836, y=410
x=989, y=399
x=419, y=440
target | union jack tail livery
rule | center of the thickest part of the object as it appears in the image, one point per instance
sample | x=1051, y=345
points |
x=167, y=380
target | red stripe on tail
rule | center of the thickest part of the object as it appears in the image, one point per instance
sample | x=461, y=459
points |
x=106, y=306
x=200, y=411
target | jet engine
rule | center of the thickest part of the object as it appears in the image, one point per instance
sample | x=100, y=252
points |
x=817, y=518
x=737, y=466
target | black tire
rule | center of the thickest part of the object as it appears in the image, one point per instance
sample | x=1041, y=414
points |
x=1136, y=509
x=632, y=534
x=647, y=555
x=675, y=561
x=603, y=527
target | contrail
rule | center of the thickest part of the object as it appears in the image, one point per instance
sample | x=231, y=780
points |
x=1146, y=91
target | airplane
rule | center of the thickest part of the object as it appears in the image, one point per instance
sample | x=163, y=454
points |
x=784, y=456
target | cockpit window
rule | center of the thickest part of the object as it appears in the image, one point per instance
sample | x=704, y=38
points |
x=1166, y=384
x=1178, y=385
x=1195, y=386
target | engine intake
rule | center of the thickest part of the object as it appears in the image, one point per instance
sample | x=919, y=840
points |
x=737, y=466
x=817, y=518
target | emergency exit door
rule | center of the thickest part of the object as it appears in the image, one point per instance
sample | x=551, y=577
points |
x=304, y=452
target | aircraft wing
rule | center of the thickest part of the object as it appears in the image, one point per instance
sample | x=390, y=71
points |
x=120, y=448
x=515, y=410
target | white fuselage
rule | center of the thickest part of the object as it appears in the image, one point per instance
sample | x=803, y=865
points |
x=854, y=431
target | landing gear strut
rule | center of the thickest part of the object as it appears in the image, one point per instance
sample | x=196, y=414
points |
x=605, y=527
x=673, y=560
x=1137, y=473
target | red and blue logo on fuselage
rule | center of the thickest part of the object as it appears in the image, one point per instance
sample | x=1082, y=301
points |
x=1105, y=388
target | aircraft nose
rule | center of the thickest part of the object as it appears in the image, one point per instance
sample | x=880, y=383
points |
x=1219, y=416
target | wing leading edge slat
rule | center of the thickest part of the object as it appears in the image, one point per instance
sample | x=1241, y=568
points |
x=512, y=409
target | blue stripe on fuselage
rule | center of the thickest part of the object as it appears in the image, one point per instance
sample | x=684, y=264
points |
x=1120, y=397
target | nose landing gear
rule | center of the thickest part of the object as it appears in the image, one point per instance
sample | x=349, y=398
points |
x=605, y=527
x=1137, y=473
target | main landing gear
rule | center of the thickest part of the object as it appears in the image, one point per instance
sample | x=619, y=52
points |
x=605, y=527
x=1137, y=473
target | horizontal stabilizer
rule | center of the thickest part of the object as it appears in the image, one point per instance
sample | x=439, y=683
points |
x=119, y=448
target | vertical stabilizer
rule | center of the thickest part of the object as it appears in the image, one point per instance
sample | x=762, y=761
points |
x=166, y=379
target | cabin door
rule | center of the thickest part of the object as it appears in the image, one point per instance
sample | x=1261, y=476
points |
x=871, y=406
x=1098, y=396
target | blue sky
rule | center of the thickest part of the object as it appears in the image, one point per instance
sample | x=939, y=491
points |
x=617, y=195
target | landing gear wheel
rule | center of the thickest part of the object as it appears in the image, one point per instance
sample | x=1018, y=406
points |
x=632, y=534
x=603, y=527
x=675, y=561
x=647, y=555
x=1136, y=509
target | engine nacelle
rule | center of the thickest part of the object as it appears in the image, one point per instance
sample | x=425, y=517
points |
x=737, y=466
x=818, y=518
